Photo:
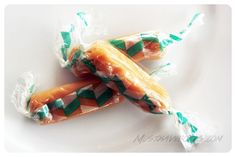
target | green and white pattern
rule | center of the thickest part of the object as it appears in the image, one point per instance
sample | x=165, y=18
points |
x=71, y=36
x=162, y=39
x=138, y=43
x=71, y=102
x=25, y=87
x=168, y=39
x=189, y=131
x=123, y=90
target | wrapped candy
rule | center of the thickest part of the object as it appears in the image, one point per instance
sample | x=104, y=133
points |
x=39, y=106
x=123, y=75
x=63, y=102
x=140, y=46
x=111, y=73
x=57, y=104
x=49, y=106
x=114, y=62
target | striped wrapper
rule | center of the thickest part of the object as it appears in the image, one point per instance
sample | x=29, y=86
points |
x=74, y=104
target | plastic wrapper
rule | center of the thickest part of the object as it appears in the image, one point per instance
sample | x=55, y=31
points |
x=114, y=62
x=63, y=102
x=140, y=46
x=52, y=105
x=38, y=106
x=123, y=75
x=112, y=65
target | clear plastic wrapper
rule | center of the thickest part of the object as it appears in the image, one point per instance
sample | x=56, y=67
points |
x=52, y=105
x=123, y=75
x=114, y=62
x=111, y=72
x=140, y=46
x=63, y=102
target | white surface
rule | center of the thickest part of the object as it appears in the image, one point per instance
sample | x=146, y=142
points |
x=202, y=85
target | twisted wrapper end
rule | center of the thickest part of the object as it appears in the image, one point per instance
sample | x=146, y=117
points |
x=167, y=39
x=25, y=87
x=191, y=129
x=72, y=37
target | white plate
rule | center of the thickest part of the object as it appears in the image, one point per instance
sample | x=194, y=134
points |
x=202, y=86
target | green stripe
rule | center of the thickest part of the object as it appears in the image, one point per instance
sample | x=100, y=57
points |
x=66, y=38
x=131, y=98
x=59, y=104
x=70, y=108
x=118, y=44
x=104, y=97
x=119, y=84
x=174, y=37
x=135, y=48
x=193, y=19
x=41, y=115
x=170, y=113
x=56, y=104
x=89, y=94
x=82, y=17
x=193, y=128
x=75, y=57
x=146, y=99
x=181, y=118
x=154, y=112
x=122, y=89
x=28, y=102
x=149, y=38
x=182, y=32
x=192, y=139
x=89, y=65
x=63, y=51
x=104, y=79
x=165, y=43
x=43, y=112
